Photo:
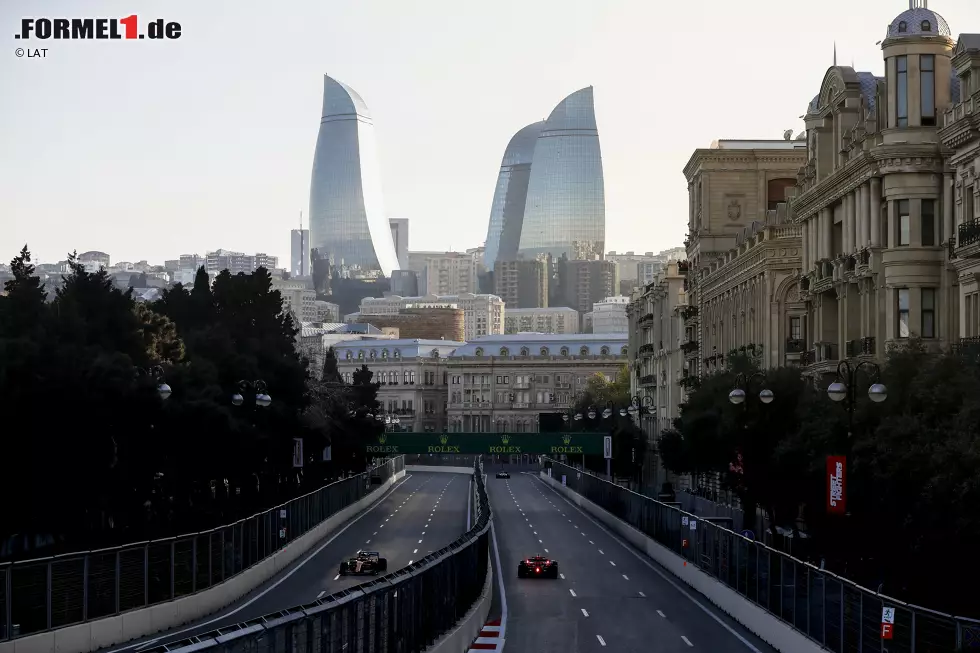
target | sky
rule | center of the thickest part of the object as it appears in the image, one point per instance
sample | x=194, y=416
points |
x=152, y=149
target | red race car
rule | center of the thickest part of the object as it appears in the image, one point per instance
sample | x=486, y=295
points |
x=537, y=566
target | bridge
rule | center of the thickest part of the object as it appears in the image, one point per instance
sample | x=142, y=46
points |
x=545, y=443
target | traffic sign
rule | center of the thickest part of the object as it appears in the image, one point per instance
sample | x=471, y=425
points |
x=607, y=447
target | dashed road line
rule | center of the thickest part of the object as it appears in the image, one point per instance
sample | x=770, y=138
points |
x=322, y=592
x=585, y=612
x=687, y=641
x=626, y=577
x=602, y=642
x=660, y=612
x=572, y=592
x=337, y=577
x=642, y=594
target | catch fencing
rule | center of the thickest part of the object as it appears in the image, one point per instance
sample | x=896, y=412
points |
x=54, y=592
x=403, y=612
x=833, y=611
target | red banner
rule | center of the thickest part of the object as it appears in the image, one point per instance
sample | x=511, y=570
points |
x=837, y=485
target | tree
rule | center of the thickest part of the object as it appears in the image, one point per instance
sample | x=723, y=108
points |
x=23, y=305
x=331, y=373
x=629, y=443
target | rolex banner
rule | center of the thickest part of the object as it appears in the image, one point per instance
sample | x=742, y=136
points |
x=552, y=444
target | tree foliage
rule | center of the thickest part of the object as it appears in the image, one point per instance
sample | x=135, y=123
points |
x=96, y=457
x=629, y=445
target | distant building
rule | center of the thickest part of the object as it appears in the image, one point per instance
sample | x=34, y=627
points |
x=326, y=311
x=608, y=316
x=405, y=283
x=422, y=323
x=583, y=283
x=399, y=234
x=482, y=314
x=445, y=273
x=92, y=261
x=299, y=250
x=522, y=283
x=637, y=270
x=222, y=259
x=299, y=298
x=557, y=320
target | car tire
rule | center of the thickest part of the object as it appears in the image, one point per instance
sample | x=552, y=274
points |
x=521, y=573
x=383, y=564
x=343, y=570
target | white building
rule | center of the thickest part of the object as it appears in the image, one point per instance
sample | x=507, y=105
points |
x=609, y=315
x=326, y=311
x=446, y=273
x=298, y=297
x=482, y=314
x=505, y=383
x=412, y=374
x=558, y=320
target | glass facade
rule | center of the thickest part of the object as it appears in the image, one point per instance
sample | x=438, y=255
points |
x=510, y=197
x=347, y=219
x=565, y=212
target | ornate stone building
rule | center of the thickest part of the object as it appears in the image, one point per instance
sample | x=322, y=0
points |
x=874, y=199
x=735, y=189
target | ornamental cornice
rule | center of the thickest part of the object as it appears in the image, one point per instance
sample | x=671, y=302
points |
x=701, y=157
x=767, y=257
x=840, y=183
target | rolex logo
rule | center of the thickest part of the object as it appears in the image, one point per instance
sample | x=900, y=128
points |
x=443, y=439
x=382, y=438
x=567, y=439
x=505, y=438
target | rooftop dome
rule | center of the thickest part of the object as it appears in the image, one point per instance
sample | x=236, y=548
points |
x=918, y=20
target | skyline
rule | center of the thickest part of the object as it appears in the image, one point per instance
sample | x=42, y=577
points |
x=204, y=143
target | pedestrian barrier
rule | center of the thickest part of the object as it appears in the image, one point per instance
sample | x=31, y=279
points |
x=405, y=611
x=51, y=593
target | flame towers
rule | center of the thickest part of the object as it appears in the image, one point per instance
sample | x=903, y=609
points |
x=348, y=225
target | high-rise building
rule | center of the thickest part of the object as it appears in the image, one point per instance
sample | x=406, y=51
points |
x=583, y=283
x=399, y=234
x=347, y=219
x=510, y=197
x=482, y=314
x=446, y=273
x=565, y=211
x=541, y=320
x=609, y=315
x=299, y=252
x=235, y=262
x=522, y=283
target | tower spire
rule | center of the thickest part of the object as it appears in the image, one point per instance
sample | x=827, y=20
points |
x=835, y=52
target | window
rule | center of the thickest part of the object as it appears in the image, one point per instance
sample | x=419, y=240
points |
x=926, y=27
x=796, y=328
x=927, y=88
x=624, y=351
x=902, y=90
x=398, y=354
x=928, y=312
x=604, y=351
x=384, y=354
x=504, y=351
x=903, y=312
x=584, y=351
x=928, y=222
x=903, y=27
x=564, y=351
x=479, y=351
x=544, y=351
x=525, y=351
x=903, y=223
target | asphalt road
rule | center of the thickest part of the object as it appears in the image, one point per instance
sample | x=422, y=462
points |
x=422, y=514
x=609, y=597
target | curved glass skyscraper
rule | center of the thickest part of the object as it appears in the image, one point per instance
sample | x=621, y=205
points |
x=347, y=219
x=510, y=197
x=565, y=212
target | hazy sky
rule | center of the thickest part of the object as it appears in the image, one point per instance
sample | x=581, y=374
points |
x=147, y=150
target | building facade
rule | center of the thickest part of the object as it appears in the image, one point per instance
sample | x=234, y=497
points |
x=511, y=383
x=565, y=211
x=580, y=284
x=731, y=185
x=299, y=252
x=608, y=316
x=399, y=236
x=445, y=273
x=482, y=314
x=422, y=323
x=522, y=283
x=413, y=375
x=348, y=225
x=876, y=200
x=223, y=259
x=510, y=197
x=556, y=320
x=298, y=298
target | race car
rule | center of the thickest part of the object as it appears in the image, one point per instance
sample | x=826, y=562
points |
x=364, y=563
x=537, y=566
x=503, y=474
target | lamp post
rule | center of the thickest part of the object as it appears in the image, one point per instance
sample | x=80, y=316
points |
x=258, y=388
x=155, y=372
x=737, y=396
x=844, y=388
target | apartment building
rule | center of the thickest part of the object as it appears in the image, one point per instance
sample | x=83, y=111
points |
x=513, y=383
x=299, y=298
x=557, y=320
x=583, y=283
x=446, y=273
x=413, y=375
x=482, y=314
x=522, y=283
x=235, y=262
x=423, y=323
x=608, y=316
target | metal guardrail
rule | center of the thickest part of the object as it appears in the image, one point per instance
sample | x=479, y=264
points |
x=833, y=611
x=441, y=459
x=48, y=593
x=403, y=612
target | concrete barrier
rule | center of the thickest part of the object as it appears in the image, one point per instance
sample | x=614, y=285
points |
x=121, y=628
x=769, y=628
x=446, y=469
x=468, y=628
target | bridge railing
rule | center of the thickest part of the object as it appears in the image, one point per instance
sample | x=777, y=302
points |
x=54, y=592
x=403, y=612
x=831, y=610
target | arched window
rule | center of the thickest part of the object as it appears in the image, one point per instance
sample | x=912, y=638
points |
x=374, y=354
x=544, y=351
x=504, y=351
x=624, y=351
x=926, y=26
x=903, y=27
x=564, y=351
x=384, y=354
x=435, y=353
x=583, y=351
x=776, y=191
x=360, y=355
x=604, y=351
x=525, y=351
x=349, y=355
x=479, y=351
x=397, y=354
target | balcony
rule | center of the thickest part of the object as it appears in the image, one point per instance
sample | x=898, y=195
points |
x=647, y=348
x=689, y=347
x=968, y=347
x=648, y=379
x=862, y=347
x=822, y=359
x=690, y=312
x=968, y=239
x=795, y=345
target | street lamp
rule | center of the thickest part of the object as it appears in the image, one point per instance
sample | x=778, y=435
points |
x=391, y=420
x=262, y=397
x=742, y=383
x=155, y=372
x=844, y=388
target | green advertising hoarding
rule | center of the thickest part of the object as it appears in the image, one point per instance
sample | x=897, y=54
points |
x=487, y=443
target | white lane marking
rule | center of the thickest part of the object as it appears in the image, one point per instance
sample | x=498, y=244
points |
x=540, y=542
x=749, y=645
x=337, y=577
x=660, y=612
x=368, y=542
x=612, y=563
x=547, y=551
x=415, y=551
x=687, y=641
x=642, y=594
x=591, y=542
x=423, y=532
x=420, y=541
x=572, y=592
x=562, y=576
x=585, y=612
x=626, y=577
x=602, y=642
x=601, y=552
x=374, y=533
x=274, y=585
x=322, y=592
x=500, y=582
x=409, y=562
x=535, y=532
